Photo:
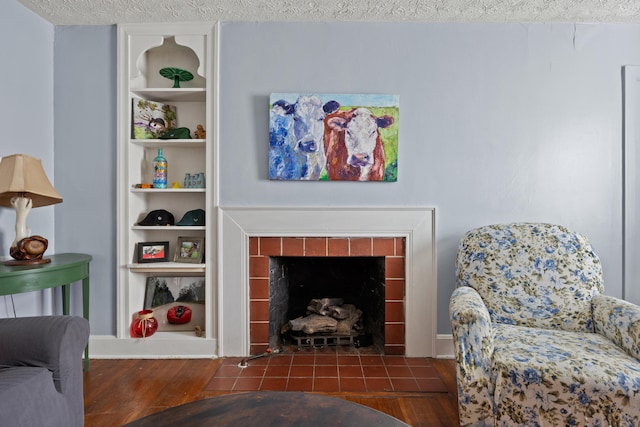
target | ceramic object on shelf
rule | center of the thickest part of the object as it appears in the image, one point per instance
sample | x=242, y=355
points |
x=179, y=314
x=177, y=75
x=144, y=324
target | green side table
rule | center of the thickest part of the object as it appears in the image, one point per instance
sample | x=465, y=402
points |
x=62, y=271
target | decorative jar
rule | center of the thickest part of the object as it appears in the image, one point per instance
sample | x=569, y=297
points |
x=143, y=324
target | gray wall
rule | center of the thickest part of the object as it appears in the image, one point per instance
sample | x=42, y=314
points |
x=499, y=122
x=85, y=147
x=26, y=109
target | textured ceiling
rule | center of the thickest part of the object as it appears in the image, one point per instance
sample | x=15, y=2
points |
x=101, y=12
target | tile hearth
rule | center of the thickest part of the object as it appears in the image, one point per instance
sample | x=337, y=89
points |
x=328, y=370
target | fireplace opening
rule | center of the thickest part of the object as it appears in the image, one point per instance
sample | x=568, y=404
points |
x=294, y=282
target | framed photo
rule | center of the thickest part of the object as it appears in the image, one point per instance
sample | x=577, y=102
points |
x=177, y=302
x=189, y=250
x=153, y=252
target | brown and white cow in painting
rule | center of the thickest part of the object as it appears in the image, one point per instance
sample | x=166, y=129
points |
x=353, y=146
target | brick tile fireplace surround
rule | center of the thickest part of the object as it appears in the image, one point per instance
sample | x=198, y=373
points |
x=248, y=236
x=391, y=248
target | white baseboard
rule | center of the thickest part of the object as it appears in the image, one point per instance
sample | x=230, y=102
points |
x=171, y=346
x=444, y=346
x=168, y=346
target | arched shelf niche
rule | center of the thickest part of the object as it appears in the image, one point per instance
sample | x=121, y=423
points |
x=157, y=52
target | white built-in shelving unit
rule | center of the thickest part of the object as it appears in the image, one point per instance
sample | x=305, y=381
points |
x=143, y=49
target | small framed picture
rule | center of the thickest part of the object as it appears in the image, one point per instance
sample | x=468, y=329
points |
x=190, y=250
x=153, y=252
x=178, y=303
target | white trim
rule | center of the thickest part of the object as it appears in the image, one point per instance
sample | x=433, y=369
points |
x=445, y=346
x=416, y=225
x=171, y=345
x=631, y=235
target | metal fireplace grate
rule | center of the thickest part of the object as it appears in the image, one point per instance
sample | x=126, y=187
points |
x=327, y=340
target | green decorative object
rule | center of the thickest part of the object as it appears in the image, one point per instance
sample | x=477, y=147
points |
x=177, y=75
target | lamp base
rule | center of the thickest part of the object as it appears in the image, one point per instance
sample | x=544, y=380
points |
x=19, y=262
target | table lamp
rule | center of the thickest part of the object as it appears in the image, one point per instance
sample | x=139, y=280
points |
x=24, y=185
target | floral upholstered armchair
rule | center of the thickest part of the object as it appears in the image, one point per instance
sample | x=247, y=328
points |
x=536, y=342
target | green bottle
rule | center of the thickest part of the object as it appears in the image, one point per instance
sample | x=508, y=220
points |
x=159, y=171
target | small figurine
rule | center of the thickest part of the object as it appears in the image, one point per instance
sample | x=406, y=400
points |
x=176, y=184
x=177, y=75
x=200, y=133
x=195, y=180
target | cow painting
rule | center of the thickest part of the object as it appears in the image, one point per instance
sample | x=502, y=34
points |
x=353, y=146
x=297, y=138
x=337, y=137
x=284, y=162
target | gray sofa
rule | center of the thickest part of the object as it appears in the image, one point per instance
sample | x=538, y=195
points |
x=41, y=371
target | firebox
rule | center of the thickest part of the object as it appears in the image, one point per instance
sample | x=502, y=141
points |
x=327, y=301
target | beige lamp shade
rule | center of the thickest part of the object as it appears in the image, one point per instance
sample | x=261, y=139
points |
x=23, y=176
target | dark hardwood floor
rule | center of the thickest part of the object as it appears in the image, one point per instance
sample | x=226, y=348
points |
x=120, y=391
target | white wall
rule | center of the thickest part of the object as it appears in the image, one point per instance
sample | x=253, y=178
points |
x=26, y=92
x=499, y=122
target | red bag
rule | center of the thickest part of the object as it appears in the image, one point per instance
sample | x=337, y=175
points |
x=179, y=314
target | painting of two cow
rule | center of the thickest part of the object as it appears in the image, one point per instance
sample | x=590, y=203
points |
x=332, y=137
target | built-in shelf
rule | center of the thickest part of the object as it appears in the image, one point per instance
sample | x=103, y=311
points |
x=171, y=94
x=168, y=190
x=170, y=336
x=167, y=267
x=144, y=50
x=161, y=143
x=169, y=227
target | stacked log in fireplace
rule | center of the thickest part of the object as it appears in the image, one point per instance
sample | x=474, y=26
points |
x=329, y=321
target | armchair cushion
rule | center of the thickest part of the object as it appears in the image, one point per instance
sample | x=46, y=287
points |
x=556, y=377
x=529, y=274
x=29, y=398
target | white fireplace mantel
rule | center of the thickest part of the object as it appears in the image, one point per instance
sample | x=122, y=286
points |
x=237, y=225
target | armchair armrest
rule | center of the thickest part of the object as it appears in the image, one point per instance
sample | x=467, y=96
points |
x=473, y=345
x=52, y=342
x=619, y=321
x=472, y=331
